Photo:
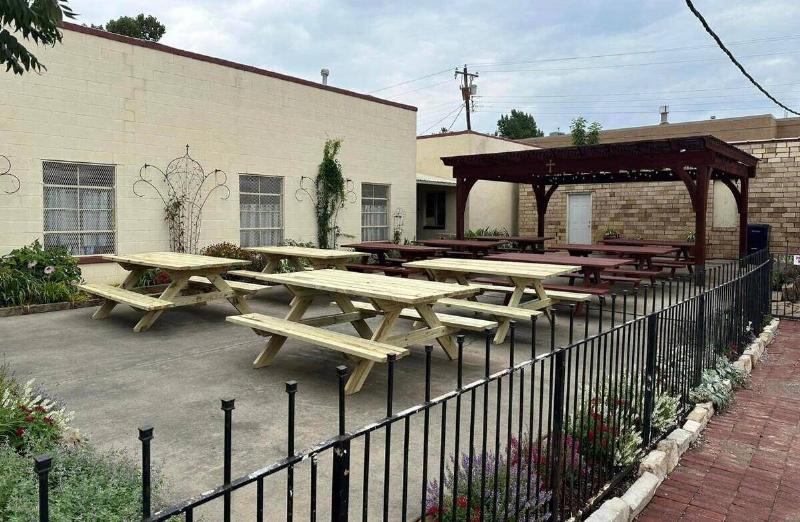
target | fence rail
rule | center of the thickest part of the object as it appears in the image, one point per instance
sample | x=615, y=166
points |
x=546, y=437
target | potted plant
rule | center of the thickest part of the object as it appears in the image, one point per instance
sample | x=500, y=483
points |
x=610, y=233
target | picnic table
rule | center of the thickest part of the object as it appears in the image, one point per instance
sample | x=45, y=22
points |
x=683, y=247
x=521, y=275
x=591, y=267
x=194, y=279
x=474, y=247
x=388, y=297
x=643, y=255
x=382, y=248
x=532, y=243
x=318, y=258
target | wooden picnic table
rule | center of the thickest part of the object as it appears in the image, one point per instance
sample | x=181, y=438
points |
x=473, y=246
x=406, y=252
x=684, y=247
x=643, y=255
x=532, y=243
x=522, y=275
x=389, y=298
x=591, y=267
x=195, y=279
x=318, y=258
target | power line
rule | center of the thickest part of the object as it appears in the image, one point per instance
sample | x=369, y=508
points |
x=460, y=106
x=431, y=75
x=633, y=53
x=733, y=59
x=420, y=89
x=456, y=118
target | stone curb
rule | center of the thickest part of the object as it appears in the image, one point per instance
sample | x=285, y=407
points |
x=657, y=464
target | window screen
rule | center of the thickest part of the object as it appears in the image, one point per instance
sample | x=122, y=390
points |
x=260, y=210
x=374, y=212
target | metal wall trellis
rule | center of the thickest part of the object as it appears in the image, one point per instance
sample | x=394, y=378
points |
x=520, y=436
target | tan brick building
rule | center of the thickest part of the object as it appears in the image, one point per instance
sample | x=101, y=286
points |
x=663, y=210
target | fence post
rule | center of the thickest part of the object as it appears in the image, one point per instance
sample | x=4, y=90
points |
x=146, y=435
x=649, y=379
x=42, y=465
x=700, y=339
x=228, y=407
x=340, y=483
x=557, y=432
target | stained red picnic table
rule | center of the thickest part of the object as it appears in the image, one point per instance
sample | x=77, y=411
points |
x=590, y=266
x=406, y=252
x=531, y=243
x=682, y=246
x=642, y=254
x=473, y=246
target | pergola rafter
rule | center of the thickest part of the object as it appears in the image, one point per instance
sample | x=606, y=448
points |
x=694, y=161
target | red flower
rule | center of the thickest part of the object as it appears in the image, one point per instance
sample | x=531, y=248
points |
x=48, y=421
x=433, y=510
x=596, y=416
x=40, y=409
x=29, y=418
x=461, y=501
x=590, y=434
x=20, y=432
x=24, y=408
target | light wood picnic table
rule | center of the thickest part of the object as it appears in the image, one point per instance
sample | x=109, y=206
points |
x=522, y=275
x=318, y=258
x=389, y=296
x=590, y=266
x=532, y=243
x=473, y=246
x=202, y=273
x=643, y=255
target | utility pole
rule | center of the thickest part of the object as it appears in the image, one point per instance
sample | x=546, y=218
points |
x=468, y=90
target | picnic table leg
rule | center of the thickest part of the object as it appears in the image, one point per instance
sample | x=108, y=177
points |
x=298, y=309
x=346, y=305
x=505, y=324
x=130, y=280
x=359, y=375
x=238, y=301
x=364, y=366
x=273, y=262
x=179, y=282
x=432, y=321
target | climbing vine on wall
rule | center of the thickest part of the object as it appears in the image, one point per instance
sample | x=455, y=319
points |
x=330, y=185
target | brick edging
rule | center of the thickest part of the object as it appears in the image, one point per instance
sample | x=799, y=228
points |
x=660, y=462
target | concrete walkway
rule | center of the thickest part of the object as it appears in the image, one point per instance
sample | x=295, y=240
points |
x=747, y=466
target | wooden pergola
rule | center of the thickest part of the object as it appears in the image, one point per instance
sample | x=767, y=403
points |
x=694, y=160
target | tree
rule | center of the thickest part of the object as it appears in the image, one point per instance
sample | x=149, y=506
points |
x=36, y=20
x=518, y=125
x=142, y=27
x=581, y=135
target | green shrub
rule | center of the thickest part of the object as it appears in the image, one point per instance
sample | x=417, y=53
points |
x=486, y=231
x=231, y=251
x=85, y=484
x=36, y=275
x=712, y=388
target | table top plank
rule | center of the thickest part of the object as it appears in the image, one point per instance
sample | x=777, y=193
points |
x=373, y=286
x=498, y=268
x=555, y=259
x=466, y=244
x=650, y=242
x=305, y=252
x=175, y=261
x=516, y=239
x=617, y=249
x=385, y=246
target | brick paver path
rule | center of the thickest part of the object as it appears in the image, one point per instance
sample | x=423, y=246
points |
x=747, y=467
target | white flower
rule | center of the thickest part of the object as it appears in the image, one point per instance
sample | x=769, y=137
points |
x=32, y=263
x=49, y=270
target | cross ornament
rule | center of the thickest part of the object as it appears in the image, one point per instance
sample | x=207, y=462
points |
x=550, y=164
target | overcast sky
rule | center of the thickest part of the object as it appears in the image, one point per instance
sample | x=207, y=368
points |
x=549, y=58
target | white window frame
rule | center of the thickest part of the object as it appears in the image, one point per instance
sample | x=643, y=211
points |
x=79, y=231
x=388, y=199
x=281, y=213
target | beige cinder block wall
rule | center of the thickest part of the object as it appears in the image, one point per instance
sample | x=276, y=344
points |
x=109, y=100
x=663, y=210
x=490, y=204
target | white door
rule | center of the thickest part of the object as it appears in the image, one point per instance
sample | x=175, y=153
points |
x=579, y=218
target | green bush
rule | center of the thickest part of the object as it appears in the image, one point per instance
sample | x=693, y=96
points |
x=85, y=484
x=36, y=275
x=231, y=251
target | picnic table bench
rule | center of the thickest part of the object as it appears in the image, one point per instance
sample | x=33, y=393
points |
x=194, y=279
x=390, y=298
x=521, y=275
x=532, y=243
x=468, y=247
x=318, y=258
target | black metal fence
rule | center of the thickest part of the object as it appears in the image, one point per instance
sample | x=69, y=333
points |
x=547, y=437
x=785, y=282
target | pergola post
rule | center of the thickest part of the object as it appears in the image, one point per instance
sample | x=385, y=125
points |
x=744, y=195
x=542, y=200
x=463, y=186
x=700, y=212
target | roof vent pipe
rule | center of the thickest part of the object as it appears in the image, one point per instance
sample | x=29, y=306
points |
x=324, y=73
x=664, y=110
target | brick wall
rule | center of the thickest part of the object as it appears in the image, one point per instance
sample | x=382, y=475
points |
x=663, y=210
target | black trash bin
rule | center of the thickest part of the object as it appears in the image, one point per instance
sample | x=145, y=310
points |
x=757, y=237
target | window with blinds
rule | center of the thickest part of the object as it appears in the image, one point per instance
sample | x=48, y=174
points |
x=374, y=212
x=260, y=210
x=79, y=207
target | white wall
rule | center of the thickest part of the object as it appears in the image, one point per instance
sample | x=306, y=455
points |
x=106, y=101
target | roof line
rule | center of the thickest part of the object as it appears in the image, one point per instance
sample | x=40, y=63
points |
x=459, y=133
x=766, y=140
x=226, y=63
